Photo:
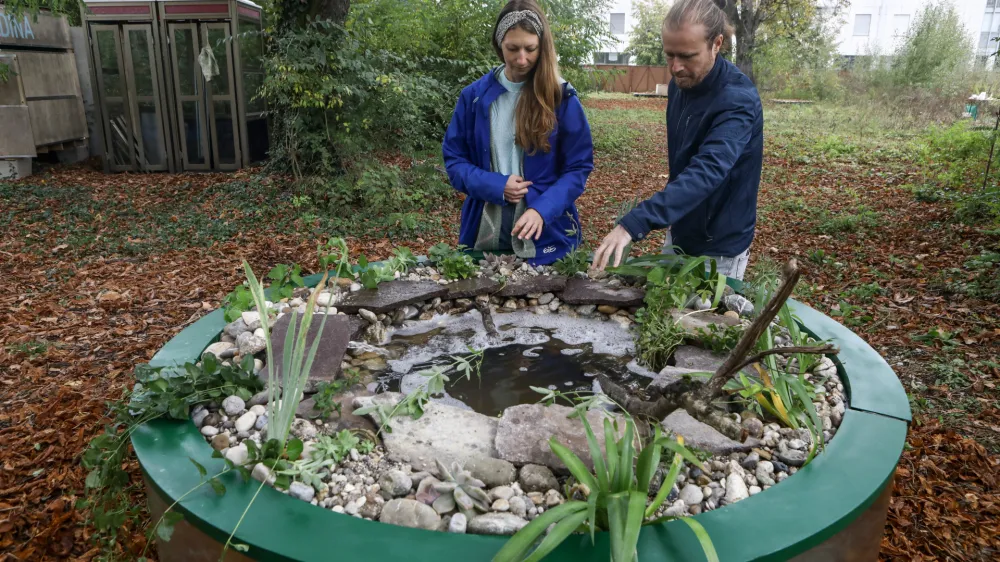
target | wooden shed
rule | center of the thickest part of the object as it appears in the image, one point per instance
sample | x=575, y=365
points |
x=41, y=106
x=175, y=82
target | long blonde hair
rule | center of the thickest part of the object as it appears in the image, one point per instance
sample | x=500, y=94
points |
x=535, y=116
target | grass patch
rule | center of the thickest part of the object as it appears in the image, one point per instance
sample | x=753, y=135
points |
x=847, y=222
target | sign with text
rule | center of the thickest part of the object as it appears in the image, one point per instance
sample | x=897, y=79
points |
x=25, y=30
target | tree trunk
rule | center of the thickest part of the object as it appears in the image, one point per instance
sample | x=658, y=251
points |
x=333, y=10
x=742, y=14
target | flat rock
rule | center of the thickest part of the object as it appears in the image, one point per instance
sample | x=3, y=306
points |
x=332, y=345
x=496, y=524
x=671, y=380
x=701, y=321
x=588, y=291
x=524, y=431
x=493, y=472
x=535, y=478
x=469, y=288
x=537, y=284
x=700, y=435
x=697, y=359
x=444, y=433
x=345, y=419
x=410, y=513
x=356, y=326
x=390, y=296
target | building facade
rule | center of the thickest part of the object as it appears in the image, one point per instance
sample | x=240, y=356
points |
x=867, y=26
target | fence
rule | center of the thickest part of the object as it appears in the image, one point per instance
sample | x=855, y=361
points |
x=632, y=79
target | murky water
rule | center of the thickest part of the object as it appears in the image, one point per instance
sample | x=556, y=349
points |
x=523, y=357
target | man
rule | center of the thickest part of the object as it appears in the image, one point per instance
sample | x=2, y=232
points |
x=715, y=145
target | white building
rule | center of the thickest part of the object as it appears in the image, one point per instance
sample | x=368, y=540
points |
x=877, y=25
x=866, y=26
x=621, y=22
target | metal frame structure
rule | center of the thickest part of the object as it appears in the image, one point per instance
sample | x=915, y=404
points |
x=157, y=110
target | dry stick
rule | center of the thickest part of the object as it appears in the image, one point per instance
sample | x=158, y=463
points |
x=812, y=350
x=759, y=325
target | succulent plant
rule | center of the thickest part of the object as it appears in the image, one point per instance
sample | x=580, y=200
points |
x=497, y=262
x=458, y=488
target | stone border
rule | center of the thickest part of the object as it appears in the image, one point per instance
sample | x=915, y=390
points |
x=839, y=487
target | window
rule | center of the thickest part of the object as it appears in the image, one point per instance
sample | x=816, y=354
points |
x=605, y=57
x=862, y=25
x=900, y=24
x=618, y=24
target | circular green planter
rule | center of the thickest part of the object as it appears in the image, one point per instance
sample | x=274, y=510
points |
x=832, y=509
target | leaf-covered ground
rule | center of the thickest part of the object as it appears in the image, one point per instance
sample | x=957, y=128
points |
x=100, y=270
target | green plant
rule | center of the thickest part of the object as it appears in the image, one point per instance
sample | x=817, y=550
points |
x=936, y=335
x=847, y=222
x=453, y=264
x=819, y=257
x=324, y=454
x=617, y=496
x=284, y=279
x=576, y=261
x=324, y=401
x=950, y=373
x=158, y=392
x=720, y=338
x=980, y=277
x=291, y=375
x=458, y=488
x=835, y=146
x=371, y=274
x=237, y=302
x=866, y=292
x=32, y=349
x=334, y=255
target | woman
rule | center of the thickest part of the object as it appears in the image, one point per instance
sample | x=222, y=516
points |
x=519, y=146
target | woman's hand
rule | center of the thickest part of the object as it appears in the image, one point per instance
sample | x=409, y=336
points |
x=515, y=189
x=529, y=225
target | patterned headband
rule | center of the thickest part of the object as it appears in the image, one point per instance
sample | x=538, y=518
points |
x=514, y=18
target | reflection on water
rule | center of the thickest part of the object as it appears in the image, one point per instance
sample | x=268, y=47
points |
x=508, y=372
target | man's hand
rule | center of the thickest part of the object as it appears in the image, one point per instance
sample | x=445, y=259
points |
x=515, y=189
x=529, y=225
x=614, y=243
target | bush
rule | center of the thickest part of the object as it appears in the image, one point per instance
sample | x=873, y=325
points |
x=935, y=47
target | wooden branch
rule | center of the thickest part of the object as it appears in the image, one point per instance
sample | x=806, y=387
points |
x=484, y=309
x=759, y=325
x=812, y=350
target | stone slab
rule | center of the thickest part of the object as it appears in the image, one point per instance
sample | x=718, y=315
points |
x=692, y=321
x=671, y=380
x=700, y=435
x=589, y=291
x=390, y=296
x=469, y=288
x=443, y=433
x=524, y=431
x=697, y=359
x=538, y=284
x=332, y=345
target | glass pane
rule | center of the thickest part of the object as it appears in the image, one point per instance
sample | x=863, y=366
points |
x=187, y=63
x=120, y=144
x=217, y=41
x=224, y=132
x=142, y=71
x=251, y=58
x=257, y=139
x=152, y=140
x=110, y=72
x=193, y=134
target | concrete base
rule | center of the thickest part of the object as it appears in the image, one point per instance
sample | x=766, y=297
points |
x=14, y=168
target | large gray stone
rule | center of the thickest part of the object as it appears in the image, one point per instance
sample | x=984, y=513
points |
x=469, y=288
x=444, y=433
x=697, y=322
x=410, y=513
x=493, y=472
x=700, y=435
x=697, y=359
x=390, y=296
x=535, y=478
x=524, y=431
x=496, y=524
x=332, y=345
x=588, y=291
x=538, y=284
x=672, y=380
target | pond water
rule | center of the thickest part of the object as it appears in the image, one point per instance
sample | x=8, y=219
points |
x=563, y=354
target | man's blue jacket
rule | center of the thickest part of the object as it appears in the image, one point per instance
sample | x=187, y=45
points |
x=715, y=145
x=559, y=176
